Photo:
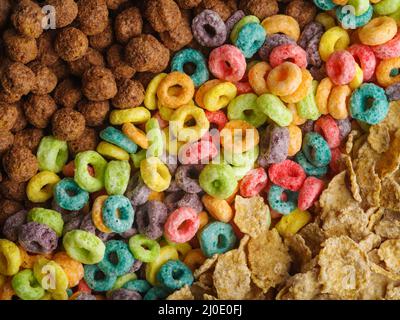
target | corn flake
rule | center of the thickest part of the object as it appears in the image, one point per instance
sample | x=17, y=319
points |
x=379, y=138
x=182, y=294
x=207, y=265
x=389, y=161
x=299, y=252
x=313, y=236
x=389, y=226
x=354, y=187
x=390, y=195
x=302, y=286
x=389, y=253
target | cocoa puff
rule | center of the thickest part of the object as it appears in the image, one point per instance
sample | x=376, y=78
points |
x=88, y=141
x=20, y=122
x=91, y=58
x=95, y=112
x=60, y=69
x=303, y=11
x=92, y=16
x=163, y=15
x=114, y=4
x=144, y=78
x=46, y=80
x=66, y=11
x=130, y=94
x=6, y=140
x=27, y=18
x=71, y=44
x=5, y=9
x=146, y=53
x=8, y=97
x=176, y=39
x=8, y=208
x=29, y=138
x=39, y=109
x=68, y=93
x=98, y=84
x=68, y=124
x=19, y=47
x=259, y=8
x=13, y=190
x=46, y=52
x=103, y=39
x=115, y=60
x=18, y=78
x=8, y=116
x=224, y=8
x=20, y=164
x=128, y=24
x=188, y=4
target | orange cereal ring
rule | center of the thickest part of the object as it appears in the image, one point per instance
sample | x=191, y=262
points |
x=136, y=135
x=73, y=269
x=295, y=140
x=239, y=136
x=322, y=95
x=302, y=90
x=297, y=120
x=378, y=31
x=171, y=98
x=281, y=23
x=97, y=214
x=284, y=79
x=337, y=103
x=156, y=196
x=26, y=259
x=219, y=209
x=258, y=77
x=194, y=259
x=384, y=70
x=203, y=90
x=7, y=291
x=203, y=216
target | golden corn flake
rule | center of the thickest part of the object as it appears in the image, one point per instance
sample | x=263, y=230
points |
x=358, y=144
x=389, y=161
x=182, y=294
x=255, y=293
x=207, y=265
x=299, y=252
x=389, y=226
x=206, y=279
x=302, y=286
x=393, y=292
x=375, y=217
x=353, y=135
x=313, y=236
x=376, y=287
x=209, y=297
x=370, y=242
x=390, y=195
x=251, y=215
x=269, y=260
x=392, y=118
x=198, y=289
x=354, y=187
x=389, y=253
x=379, y=138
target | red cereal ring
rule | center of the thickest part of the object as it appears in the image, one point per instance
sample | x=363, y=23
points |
x=181, y=225
x=288, y=52
x=335, y=161
x=83, y=287
x=227, y=63
x=309, y=192
x=328, y=128
x=365, y=58
x=217, y=117
x=388, y=50
x=243, y=87
x=341, y=67
x=287, y=174
x=198, y=152
x=253, y=182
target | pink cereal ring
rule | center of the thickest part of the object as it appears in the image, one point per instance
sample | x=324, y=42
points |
x=365, y=58
x=309, y=192
x=388, y=50
x=288, y=52
x=227, y=63
x=198, y=152
x=253, y=182
x=287, y=174
x=243, y=87
x=341, y=67
x=217, y=117
x=328, y=128
x=335, y=161
x=181, y=225
x=163, y=124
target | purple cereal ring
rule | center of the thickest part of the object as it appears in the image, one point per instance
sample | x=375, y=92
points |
x=136, y=266
x=12, y=225
x=124, y=294
x=87, y=225
x=170, y=161
x=209, y=29
x=66, y=215
x=72, y=224
x=137, y=192
x=129, y=233
x=310, y=31
x=232, y=20
x=271, y=42
x=85, y=296
x=274, y=144
x=318, y=73
x=393, y=92
x=344, y=128
x=150, y=219
x=187, y=177
x=307, y=127
x=181, y=199
x=37, y=238
x=173, y=187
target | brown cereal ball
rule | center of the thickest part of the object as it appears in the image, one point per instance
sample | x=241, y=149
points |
x=259, y=8
x=46, y=80
x=20, y=48
x=115, y=60
x=66, y=11
x=68, y=124
x=8, y=97
x=144, y=78
x=5, y=9
x=60, y=69
x=176, y=39
x=128, y=24
x=39, y=109
x=29, y=138
x=68, y=93
x=303, y=11
x=90, y=59
x=71, y=44
x=8, y=208
x=188, y=4
x=21, y=121
x=163, y=15
x=95, y=112
x=6, y=140
x=92, y=16
x=130, y=94
x=224, y=8
x=146, y=53
x=103, y=39
x=88, y=141
x=18, y=78
x=115, y=4
x=8, y=116
x=27, y=18
x=98, y=84
x=20, y=164
x=46, y=52
x=12, y=190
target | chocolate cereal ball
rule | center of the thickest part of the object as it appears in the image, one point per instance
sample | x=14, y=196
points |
x=8, y=208
x=128, y=24
x=88, y=141
x=20, y=164
x=46, y=80
x=98, y=84
x=115, y=60
x=19, y=47
x=303, y=11
x=6, y=141
x=91, y=58
x=259, y=8
x=71, y=44
x=95, y=112
x=68, y=124
x=176, y=39
x=46, y=52
x=5, y=9
x=29, y=138
x=92, y=16
x=115, y=4
x=60, y=69
x=8, y=116
x=188, y=4
x=146, y=53
x=103, y=39
x=68, y=93
x=20, y=122
x=12, y=190
x=224, y=8
x=39, y=109
x=163, y=15
x=130, y=94
x=66, y=11
x=27, y=18
x=8, y=97
x=18, y=78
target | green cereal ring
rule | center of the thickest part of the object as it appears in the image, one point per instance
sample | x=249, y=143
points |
x=84, y=246
x=52, y=154
x=26, y=286
x=116, y=137
x=316, y=149
x=156, y=293
x=97, y=280
x=218, y=180
x=309, y=168
x=116, y=176
x=141, y=286
x=50, y=275
x=144, y=248
x=51, y=218
x=122, y=280
x=123, y=258
x=241, y=171
x=242, y=159
x=118, y=213
x=82, y=175
x=307, y=108
x=69, y=196
x=239, y=25
x=155, y=138
x=138, y=157
x=275, y=109
x=386, y=7
x=244, y=107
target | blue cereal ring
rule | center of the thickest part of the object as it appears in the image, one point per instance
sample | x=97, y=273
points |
x=325, y=4
x=316, y=149
x=141, y=286
x=69, y=196
x=361, y=107
x=116, y=137
x=185, y=56
x=309, y=168
x=350, y=21
x=156, y=293
x=277, y=204
x=174, y=275
x=118, y=222
x=97, y=280
x=123, y=262
x=250, y=38
x=217, y=237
